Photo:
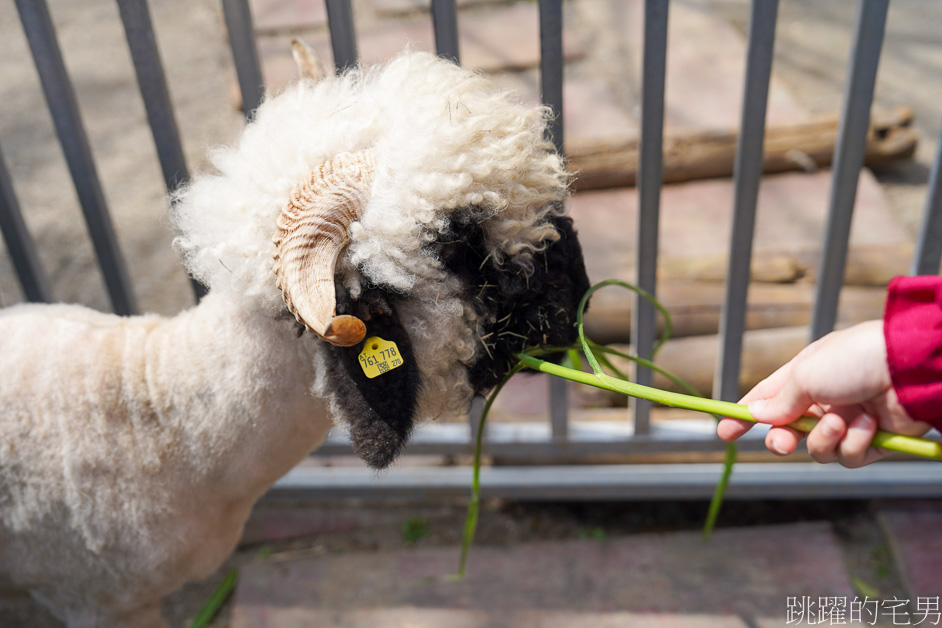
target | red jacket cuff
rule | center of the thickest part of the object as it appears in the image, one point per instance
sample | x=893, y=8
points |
x=912, y=326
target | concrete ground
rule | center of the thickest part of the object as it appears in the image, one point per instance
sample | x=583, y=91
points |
x=629, y=564
x=571, y=564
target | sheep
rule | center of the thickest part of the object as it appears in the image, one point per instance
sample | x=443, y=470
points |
x=410, y=206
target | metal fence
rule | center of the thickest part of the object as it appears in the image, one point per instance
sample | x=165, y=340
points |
x=550, y=457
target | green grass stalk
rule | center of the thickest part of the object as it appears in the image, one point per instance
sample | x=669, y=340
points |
x=884, y=440
x=219, y=597
x=474, y=507
x=729, y=460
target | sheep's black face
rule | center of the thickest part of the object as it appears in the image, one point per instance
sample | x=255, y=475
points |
x=520, y=309
x=380, y=410
x=519, y=306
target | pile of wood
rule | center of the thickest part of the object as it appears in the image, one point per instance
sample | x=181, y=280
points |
x=782, y=291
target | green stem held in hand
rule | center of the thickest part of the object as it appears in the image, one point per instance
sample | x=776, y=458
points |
x=884, y=440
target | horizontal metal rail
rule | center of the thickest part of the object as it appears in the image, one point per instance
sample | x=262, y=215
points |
x=584, y=439
x=780, y=480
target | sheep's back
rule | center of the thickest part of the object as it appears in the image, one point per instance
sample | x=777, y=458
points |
x=133, y=448
x=75, y=439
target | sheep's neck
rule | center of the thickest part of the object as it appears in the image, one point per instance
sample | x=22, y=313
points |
x=237, y=389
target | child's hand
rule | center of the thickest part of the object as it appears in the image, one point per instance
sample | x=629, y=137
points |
x=842, y=378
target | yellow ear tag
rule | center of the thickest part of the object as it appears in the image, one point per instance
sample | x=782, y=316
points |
x=379, y=356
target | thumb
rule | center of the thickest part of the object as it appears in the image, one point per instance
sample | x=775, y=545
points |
x=784, y=407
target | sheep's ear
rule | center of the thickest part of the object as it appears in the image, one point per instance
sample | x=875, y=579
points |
x=309, y=65
x=379, y=408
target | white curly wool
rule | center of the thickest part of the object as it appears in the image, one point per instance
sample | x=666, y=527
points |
x=132, y=449
x=432, y=127
x=442, y=137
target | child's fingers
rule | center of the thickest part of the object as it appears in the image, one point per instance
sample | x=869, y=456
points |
x=782, y=440
x=855, y=450
x=825, y=439
x=730, y=429
x=788, y=404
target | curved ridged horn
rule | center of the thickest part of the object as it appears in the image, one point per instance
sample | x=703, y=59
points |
x=313, y=230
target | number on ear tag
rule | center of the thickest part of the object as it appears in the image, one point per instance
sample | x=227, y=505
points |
x=379, y=356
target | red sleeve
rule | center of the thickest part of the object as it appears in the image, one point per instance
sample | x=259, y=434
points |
x=912, y=326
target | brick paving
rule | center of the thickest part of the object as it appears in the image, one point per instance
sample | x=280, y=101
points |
x=915, y=532
x=741, y=572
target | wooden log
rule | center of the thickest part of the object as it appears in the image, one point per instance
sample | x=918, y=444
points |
x=766, y=267
x=695, y=308
x=613, y=162
x=871, y=265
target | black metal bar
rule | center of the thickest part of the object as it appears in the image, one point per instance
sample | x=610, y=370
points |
x=929, y=248
x=20, y=244
x=343, y=39
x=551, y=85
x=551, y=66
x=238, y=18
x=559, y=408
x=445, y=24
x=152, y=82
x=747, y=173
x=650, y=177
x=60, y=97
x=475, y=411
x=153, y=86
x=848, y=160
